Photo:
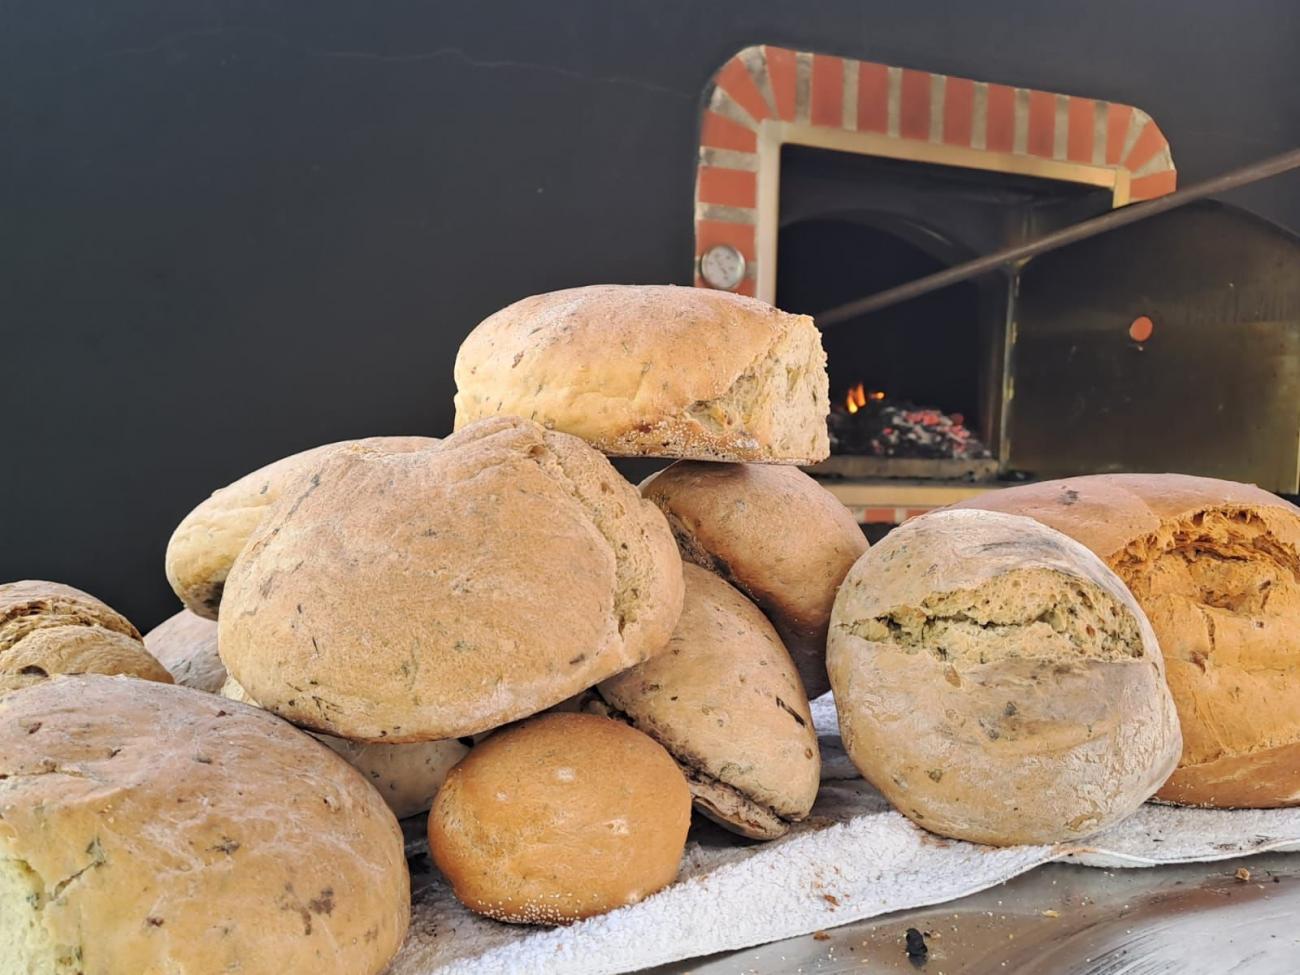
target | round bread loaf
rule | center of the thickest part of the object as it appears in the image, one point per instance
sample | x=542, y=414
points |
x=726, y=702
x=776, y=535
x=186, y=644
x=443, y=592
x=655, y=371
x=47, y=628
x=152, y=828
x=997, y=682
x=559, y=818
x=1216, y=567
x=206, y=543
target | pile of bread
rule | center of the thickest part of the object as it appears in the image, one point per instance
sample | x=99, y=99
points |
x=499, y=629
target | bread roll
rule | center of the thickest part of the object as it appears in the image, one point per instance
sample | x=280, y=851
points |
x=186, y=644
x=726, y=702
x=149, y=828
x=776, y=535
x=206, y=542
x=447, y=591
x=559, y=818
x=1216, y=566
x=653, y=371
x=47, y=628
x=997, y=682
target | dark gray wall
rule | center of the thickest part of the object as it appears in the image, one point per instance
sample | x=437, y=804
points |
x=232, y=230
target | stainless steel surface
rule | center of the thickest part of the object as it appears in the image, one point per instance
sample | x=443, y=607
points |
x=1061, y=238
x=1061, y=919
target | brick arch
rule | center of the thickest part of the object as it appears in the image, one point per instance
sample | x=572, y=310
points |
x=767, y=96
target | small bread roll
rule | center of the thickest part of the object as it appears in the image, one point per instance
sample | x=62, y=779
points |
x=186, y=644
x=206, y=543
x=653, y=371
x=153, y=828
x=726, y=702
x=559, y=818
x=776, y=535
x=442, y=592
x=997, y=682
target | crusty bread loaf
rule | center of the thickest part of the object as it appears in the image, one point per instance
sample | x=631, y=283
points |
x=206, y=542
x=776, y=535
x=149, y=828
x=997, y=682
x=47, y=628
x=559, y=818
x=1216, y=566
x=726, y=702
x=186, y=644
x=654, y=371
x=443, y=592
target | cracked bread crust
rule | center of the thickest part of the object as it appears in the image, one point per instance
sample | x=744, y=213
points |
x=443, y=592
x=1216, y=567
x=152, y=828
x=654, y=370
x=997, y=682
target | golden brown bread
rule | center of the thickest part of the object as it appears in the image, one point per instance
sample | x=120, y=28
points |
x=559, y=818
x=443, y=592
x=776, y=535
x=148, y=828
x=997, y=682
x=1216, y=566
x=653, y=370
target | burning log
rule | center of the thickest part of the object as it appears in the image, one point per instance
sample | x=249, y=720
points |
x=867, y=423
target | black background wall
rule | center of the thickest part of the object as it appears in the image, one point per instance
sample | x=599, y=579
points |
x=231, y=230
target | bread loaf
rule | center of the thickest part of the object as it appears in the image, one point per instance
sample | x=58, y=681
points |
x=559, y=818
x=443, y=592
x=997, y=682
x=186, y=644
x=149, y=828
x=776, y=535
x=1216, y=567
x=653, y=371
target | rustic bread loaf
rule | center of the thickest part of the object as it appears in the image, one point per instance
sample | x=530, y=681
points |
x=47, y=628
x=559, y=818
x=443, y=592
x=654, y=371
x=149, y=828
x=206, y=542
x=776, y=535
x=997, y=682
x=186, y=644
x=726, y=702
x=1216, y=567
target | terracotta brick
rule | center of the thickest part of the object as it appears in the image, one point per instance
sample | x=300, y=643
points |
x=914, y=105
x=735, y=80
x=1002, y=119
x=958, y=107
x=738, y=235
x=827, y=90
x=1157, y=184
x=873, y=97
x=878, y=516
x=1079, y=144
x=1117, y=119
x=1149, y=142
x=781, y=71
x=720, y=132
x=745, y=288
x=1042, y=124
x=729, y=187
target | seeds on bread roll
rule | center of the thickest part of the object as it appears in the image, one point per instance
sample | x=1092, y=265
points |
x=997, y=682
x=726, y=702
x=559, y=818
x=207, y=541
x=654, y=371
x=1216, y=567
x=442, y=592
x=776, y=535
x=186, y=644
x=152, y=828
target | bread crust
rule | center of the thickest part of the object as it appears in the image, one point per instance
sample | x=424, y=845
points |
x=166, y=830
x=443, y=592
x=776, y=535
x=653, y=370
x=561, y=817
x=1216, y=567
x=186, y=644
x=997, y=682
